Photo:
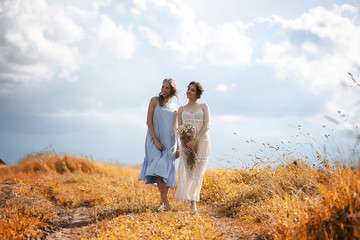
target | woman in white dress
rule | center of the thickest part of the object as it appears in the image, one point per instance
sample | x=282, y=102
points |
x=190, y=180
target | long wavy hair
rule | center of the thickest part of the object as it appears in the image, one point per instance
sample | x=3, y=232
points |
x=174, y=91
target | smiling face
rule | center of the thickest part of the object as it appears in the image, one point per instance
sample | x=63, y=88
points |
x=191, y=92
x=166, y=89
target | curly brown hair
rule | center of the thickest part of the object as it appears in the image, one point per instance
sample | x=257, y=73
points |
x=199, y=88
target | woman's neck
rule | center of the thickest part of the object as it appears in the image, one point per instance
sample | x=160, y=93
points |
x=192, y=102
x=164, y=101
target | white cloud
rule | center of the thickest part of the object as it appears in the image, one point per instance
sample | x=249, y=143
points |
x=140, y=6
x=122, y=117
x=229, y=46
x=225, y=88
x=152, y=37
x=197, y=41
x=100, y=3
x=344, y=106
x=37, y=41
x=254, y=127
x=27, y=73
x=310, y=48
x=345, y=7
x=118, y=40
x=323, y=62
x=136, y=12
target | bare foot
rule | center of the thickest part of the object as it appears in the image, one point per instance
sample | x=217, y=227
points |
x=161, y=208
x=193, y=206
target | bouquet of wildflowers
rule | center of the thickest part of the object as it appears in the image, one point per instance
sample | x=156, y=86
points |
x=187, y=133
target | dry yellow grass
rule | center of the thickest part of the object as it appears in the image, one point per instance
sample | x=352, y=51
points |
x=285, y=202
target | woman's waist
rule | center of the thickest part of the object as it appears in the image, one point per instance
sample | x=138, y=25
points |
x=193, y=120
x=204, y=137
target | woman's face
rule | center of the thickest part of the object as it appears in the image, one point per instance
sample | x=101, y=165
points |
x=166, y=89
x=191, y=92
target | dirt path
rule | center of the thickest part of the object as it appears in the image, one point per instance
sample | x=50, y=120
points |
x=232, y=231
x=229, y=227
x=70, y=224
x=73, y=224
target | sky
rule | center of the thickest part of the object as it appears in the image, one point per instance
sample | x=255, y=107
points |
x=76, y=77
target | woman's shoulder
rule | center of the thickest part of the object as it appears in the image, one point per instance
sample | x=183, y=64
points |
x=181, y=108
x=203, y=106
x=153, y=101
x=154, y=98
x=176, y=106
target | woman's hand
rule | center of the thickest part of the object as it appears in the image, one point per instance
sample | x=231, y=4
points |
x=192, y=143
x=186, y=150
x=159, y=145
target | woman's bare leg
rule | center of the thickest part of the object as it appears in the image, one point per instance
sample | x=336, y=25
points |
x=193, y=205
x=164, y=191
x=161, y=205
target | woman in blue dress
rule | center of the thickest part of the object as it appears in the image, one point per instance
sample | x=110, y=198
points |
x=161, y=144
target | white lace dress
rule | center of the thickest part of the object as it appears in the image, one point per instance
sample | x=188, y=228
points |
x=190, y=181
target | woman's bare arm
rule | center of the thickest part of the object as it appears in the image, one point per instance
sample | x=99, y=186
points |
x=150, y=125
x=176, y=135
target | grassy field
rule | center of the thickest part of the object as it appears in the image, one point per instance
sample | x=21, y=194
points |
x=47, y=196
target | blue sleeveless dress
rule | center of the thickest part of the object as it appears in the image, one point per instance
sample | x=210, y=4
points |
x=161, y=163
